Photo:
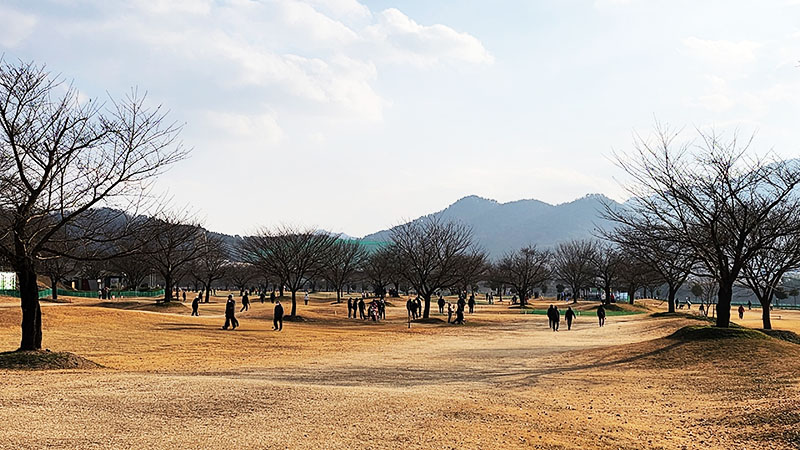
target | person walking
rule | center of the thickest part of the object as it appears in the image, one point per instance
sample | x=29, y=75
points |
x=184, y=295
x=556, y=318
x=361, y=305
x=449, y=312
x=230, y=309
x=305, y=299
x=550, y=317
x=349, y=307
x=441, y=304
x=569, y=316
x=471, y=303
x=245, y=302
x=749, y=305
x=601, y=315
x=741, y=312
x=277, y=317
x=263, y=296
x=272, y=296
x=195, y=305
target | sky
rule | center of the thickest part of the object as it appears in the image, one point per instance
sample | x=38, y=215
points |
x=354, y=116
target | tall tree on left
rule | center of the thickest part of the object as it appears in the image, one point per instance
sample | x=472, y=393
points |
x=72, y=171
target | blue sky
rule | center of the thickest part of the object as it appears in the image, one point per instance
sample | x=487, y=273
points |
x=353, y=116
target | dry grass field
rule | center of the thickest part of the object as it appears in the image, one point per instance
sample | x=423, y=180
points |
x=504, y=380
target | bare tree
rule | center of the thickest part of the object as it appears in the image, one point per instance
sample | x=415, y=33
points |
x=212, y=265
x=671, y=261
x=474, y=268
x=431, y=250
x=764, y=272
x=172, y=245
x=712, y=196
x=525, y=270
x=606, y=265
x=572, y=264
x=292, y=255
x=345, y=259
x=241, y=275
x=379, y=269
x=60, y=158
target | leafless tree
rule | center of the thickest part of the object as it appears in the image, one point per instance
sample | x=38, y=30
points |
x=241, y=275
x=62, y=158
x=671, y=261
x=379, y=269
x=432, y=250
x=606, y=264
x=764, y=272
x=525, y=270
x=212, y=265
x=292, y=255
x=572, y=264
x=712, y=195
x=129, y=261
x=345, y=259
x=173, y=243
x=474, y=269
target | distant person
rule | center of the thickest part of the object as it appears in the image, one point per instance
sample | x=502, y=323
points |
x=551, y=317
x=305, y=299
x=601, y=315
x=230, y=309
x=245, y=302
x=449, y=312
x=410, y=307
x=459, y=316
x=263, y=296
x=184, y=296
x=471, y=303
x=556, y=318
x=361, y=305
x=419, y=307
x=749, y=305
x=441, y=304
x=741, y=312
x=350, y=309
x=272, y=296
x=277, y=317
x=569, y=316
x=702, y=309
x=195, y=305
x=461, y=305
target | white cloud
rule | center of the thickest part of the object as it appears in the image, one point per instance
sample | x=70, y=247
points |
x=262, y=128
x=402, y=40
x=16, y=26
x=721, y=51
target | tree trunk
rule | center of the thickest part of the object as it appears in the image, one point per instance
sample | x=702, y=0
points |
x=765, y=316
x=338, y=295
x=280, y=291
x=631, y=295
x=167, y=288
x=54, y=288
x=31, y=310
x=725, y=295
x=208, y=291
x=671, y=299
x=427, y=312
x=607, y=300
x=294, y=302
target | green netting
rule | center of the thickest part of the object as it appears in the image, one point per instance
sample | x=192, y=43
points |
x=117, y=294
x=15, y=293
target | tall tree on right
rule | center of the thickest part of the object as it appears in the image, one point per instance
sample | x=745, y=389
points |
x=712, y=195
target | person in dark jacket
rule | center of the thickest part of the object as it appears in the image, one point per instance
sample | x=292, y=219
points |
x=245, y=302
x=570, y=316
x=361, y=309
x=601, y=315
x=441, y=304
x=556, y=318
x=277, y=316
x=471, y=303
x=272, y=297
x=230, y=309
x=195, y=305
x=350, y=309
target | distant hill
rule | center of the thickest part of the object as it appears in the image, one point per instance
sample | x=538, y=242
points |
x=500, y=227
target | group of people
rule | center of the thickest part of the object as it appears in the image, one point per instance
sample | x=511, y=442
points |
x=357, y=309
x=230, y=310
x=554, y=316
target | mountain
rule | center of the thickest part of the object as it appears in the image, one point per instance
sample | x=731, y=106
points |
x=500, y=227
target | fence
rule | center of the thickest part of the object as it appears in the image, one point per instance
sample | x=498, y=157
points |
x=15, y=293
x=116, y=294
x=85, y=294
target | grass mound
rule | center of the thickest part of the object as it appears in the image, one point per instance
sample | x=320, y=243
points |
x=294, y=319
x=784, y=335
x=44, y=360
x=705, y=332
